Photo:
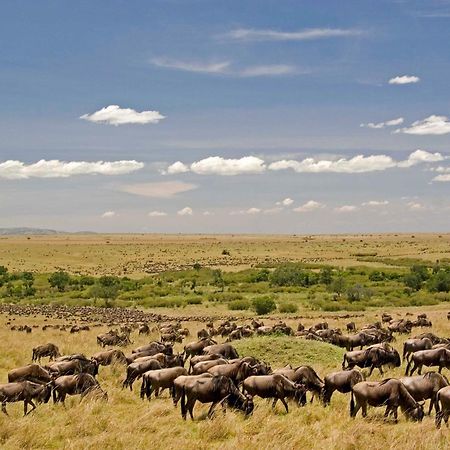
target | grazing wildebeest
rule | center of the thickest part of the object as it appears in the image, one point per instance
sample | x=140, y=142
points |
x=64, y=367
x=204, y=366
x=25, y=391
x=341, y=381
x=32, y=372
x=41, y=351
x=155, y=347
x=390, y=393
x=275, y=386
x=213, y=390
x=373, y=357
x=109, y=357
x=307, y=376
x=144, y=329
x=226, y=350
x=182, y=381
x=351, y=327
x=196, y=348
x=237, y=372
x=137, y=369
x=154, y=380
x=413, y=345
x=435, y=357
x=200, y=358
x=424, y=387
x=443, y=406
x=82, y=384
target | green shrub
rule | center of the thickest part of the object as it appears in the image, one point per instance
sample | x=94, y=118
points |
x=288, y=308
x=292, y=274
x=194, y=301
x=239, y=305
x=264, y=305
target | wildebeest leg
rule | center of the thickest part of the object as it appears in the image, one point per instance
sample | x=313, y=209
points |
x=380, y=368
x=395, y=412
x=386, y=413
x=420, y=370
x=364, y=409
x=414, y=368
x=211, y=409
x=190, y=407
x=274, y=402
x=284, y=403
x=440, y=369
x=25, y=406
x=157, y=392
x=433, y=402
x=4, y=408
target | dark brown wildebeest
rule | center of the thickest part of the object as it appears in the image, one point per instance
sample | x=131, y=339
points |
x=171, y=337
x=32, y=372
x=155, y=347
x=390, y=393
x=413, y=345
x=203, y=333
x=213, y=390
x=386, y=318
x=137, y=369
x=275, y=386
x=196, y=348
x=82, y=384
x=109, y=357
x=25, y=391
x=113, y=338
x=154, y=380
x=341, y=381
x=57, y=369
x=183, y=381
x=144, y=329
x=357, y=340
x=307, y=376
x=226, y=350
x=351, y=327
x=41, y=351
x=237, y=372
x=200, y=358
x=439, y=357
x=443, y=406
x=432, y=337
x=424, y=387
x=373, y=357
x=204, y=366
x=319, y=326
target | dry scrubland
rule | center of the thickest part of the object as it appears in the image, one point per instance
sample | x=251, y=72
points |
x=126, y=422
x=139, y=254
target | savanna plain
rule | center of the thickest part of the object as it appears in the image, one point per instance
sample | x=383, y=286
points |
x=46, y=280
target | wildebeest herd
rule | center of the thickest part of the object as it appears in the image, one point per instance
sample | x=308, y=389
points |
x=210, y=372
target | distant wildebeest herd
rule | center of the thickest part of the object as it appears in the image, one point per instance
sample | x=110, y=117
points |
x=210, y=372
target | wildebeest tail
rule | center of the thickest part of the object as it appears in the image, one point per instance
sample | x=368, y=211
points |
x=183, y=403
x=352, y=403
x=143, y=386
x=408, y=366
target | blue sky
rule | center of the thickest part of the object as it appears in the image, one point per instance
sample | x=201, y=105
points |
x=281, y=116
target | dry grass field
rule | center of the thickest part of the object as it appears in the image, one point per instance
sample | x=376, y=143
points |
x=127, y=422
x=135, y=255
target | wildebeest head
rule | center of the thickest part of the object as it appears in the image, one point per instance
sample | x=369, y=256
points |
x=300, y=394
x=416, y=413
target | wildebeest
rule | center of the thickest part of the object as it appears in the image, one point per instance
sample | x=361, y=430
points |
x=443, y=406
x=204, y=366
x=351, y=326
x=213, y=390
x=183, y=381
x=390, y=393
x=439, y=357
x=424, y=387
x=154, y=380
x=341, y=381
x=113, y=338
x=200, y=358
x=154, y=347
x=82, y=384
x=196, y=348
x=31, y=372
x=237, y=372
x=305, y=375
x=41, y=351
x=137, y=369
x=373, y=357
x=275, y=386
x=144, y=329
x=60, y=368
x=25, y=391
x=109, y=357
x=413, y=345
x=226, y=350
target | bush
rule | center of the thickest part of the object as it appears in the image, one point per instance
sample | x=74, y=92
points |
x=288, y=308
x=194, y=301
x=439, y=282
x=59, y=280
x=264, y=305
x=292, y=274
x=239, y=305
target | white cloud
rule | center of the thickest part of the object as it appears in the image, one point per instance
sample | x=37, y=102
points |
x=309, y=206
x=190, y=66
x=433, y=125
x=268, y=70
x=415, y=206
x=346, y=209
x=60, y=169
x=177, y=167
x=388, y=123
x=274, y=210
x=442, y=178
x=375, y=203
x=185, y=211
x=420, y=156
x=250, y=211
x=207, y=213
x=286, y=202
x=157, y=214
x=108, y=214
x=404, y=79
x=357, y=164
x=248, y=34
x=115, y=115
x=158, y=190
x=442, y=169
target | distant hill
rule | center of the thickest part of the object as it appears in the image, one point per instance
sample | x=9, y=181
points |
x=36, y=231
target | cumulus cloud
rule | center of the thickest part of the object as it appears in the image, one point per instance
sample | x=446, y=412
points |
x=157, y=214
x=250, y=34
x=115, y=115
x=421, y=156
x=251, y=211
x=404, y=79
x=309, y=206
x=177, y=167
x=375, y=203
x=432, y=125
x=286, y=202
x=442, y=178
x=166, y=189
x=346, y=209
x=108, y=214
x=379, y=125
x=14, y=170
x=442, y=169
x=415, y=206
x=185, y=211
